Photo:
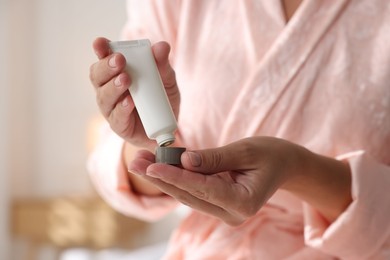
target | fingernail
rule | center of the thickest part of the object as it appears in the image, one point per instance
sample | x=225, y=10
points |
x=153, y=174
x=195, y=159
x=112, y=62
x=125, y=103
x=134, y=171
x=117, y=81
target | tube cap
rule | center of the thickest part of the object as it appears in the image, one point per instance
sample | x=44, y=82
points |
x=169, y=155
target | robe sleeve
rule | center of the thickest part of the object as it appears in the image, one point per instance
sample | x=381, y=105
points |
x=109, y=177
x=362, y=231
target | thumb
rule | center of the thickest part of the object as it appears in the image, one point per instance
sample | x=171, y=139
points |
x=161, y=52
x=101, y=48
x=214, y=160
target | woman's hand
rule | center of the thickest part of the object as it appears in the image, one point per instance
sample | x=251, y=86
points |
x=111, y=83
x=233, y=182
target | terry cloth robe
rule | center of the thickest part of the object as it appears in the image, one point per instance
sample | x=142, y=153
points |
x=321, y=80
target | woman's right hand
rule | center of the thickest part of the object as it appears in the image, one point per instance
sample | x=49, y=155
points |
x=111, y=83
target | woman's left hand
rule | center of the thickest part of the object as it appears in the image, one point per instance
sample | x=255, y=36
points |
x=234, y=181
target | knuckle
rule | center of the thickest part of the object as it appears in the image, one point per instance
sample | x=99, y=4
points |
x=201, y=195
x=118, y=123
x=172, y=74
x=100, y=100
x=216, y=159
x=115, y=123
x=169, y=78
x=92, y=73
x=247, y=151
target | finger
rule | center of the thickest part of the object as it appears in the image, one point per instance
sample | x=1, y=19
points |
x=108, y=95
x=192, y=201
x=235, y=156
x=145, y=154
x=161, y=52
x=121, y=118
x=105, y=69
x=142, y=160
x=219, y=189
x=101, y=47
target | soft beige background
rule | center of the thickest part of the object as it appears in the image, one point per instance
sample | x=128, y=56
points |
x=46, y=101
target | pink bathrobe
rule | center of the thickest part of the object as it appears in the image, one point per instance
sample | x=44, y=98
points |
x=322, y=80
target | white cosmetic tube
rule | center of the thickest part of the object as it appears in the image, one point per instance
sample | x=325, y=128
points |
x=147, y=90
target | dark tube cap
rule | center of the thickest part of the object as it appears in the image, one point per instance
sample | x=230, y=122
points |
x=169, y=155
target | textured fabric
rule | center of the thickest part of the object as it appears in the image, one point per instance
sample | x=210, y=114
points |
x=322, y=80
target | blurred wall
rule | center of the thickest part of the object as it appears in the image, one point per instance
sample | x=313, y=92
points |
x=47, y=103
x=4, y=202
x=50, y=101
x=46, y=100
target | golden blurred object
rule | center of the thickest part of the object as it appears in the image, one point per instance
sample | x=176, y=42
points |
x=74, y=222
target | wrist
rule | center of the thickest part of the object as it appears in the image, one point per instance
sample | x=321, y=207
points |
x=323, y=182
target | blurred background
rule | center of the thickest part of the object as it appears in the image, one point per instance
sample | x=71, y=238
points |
x=49, y=124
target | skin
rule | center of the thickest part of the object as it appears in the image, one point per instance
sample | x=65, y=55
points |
x=111, y=84
x=215, y=181
x=289, y=7
x=219, y=180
